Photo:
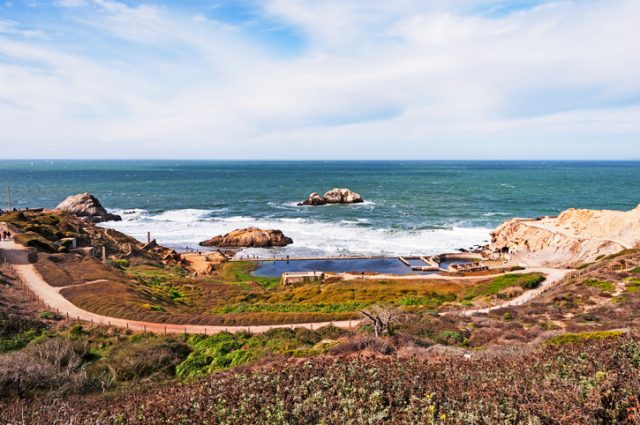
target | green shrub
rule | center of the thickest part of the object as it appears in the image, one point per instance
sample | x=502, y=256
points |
x=34, y=240
x=16, y=332
x=144, y=357
x=450, y=337
x=575, y=338
x=119, y=263
x=603, y=285
x=77, y=330
x=50, y=315
x=498, y=283
x=632, y=284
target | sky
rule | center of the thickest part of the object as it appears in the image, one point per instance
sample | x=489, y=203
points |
x=320, y=79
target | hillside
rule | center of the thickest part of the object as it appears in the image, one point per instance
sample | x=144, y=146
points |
x=570, y=355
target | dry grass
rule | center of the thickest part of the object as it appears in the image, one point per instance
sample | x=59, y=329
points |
x=71, y=269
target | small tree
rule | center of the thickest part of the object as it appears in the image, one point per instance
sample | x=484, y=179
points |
x=382, y=319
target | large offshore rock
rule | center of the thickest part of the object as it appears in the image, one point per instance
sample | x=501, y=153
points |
x=334, y=196
x=86, y=205
x=342, y=196
x=249, y=237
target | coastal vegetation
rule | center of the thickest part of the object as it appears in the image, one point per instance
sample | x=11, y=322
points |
x=587, y=383
x=575, y=345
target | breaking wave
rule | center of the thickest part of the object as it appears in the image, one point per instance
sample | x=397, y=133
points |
x=185, y=228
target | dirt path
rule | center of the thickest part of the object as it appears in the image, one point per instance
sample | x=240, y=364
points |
x=16, y=255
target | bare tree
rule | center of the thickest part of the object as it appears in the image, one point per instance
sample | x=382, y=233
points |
x=382, y=319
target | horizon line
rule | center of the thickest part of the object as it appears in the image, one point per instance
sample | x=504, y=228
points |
x=328, y=160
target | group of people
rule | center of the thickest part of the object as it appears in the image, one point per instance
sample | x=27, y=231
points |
x=5, y=236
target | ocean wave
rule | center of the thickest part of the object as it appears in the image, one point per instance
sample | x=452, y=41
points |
x=182, y=229
x=493, y=214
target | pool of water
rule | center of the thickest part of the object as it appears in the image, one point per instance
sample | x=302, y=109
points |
x=342, y=265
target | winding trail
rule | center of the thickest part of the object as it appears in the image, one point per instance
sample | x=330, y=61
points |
x=17, y=257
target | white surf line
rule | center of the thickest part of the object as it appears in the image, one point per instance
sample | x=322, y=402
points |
x=17, y=257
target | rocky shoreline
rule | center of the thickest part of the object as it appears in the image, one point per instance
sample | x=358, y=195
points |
x=575, y=237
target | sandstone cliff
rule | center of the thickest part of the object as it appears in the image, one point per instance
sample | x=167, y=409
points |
x=572, y=238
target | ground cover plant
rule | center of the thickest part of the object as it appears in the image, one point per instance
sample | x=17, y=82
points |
x=587, y=382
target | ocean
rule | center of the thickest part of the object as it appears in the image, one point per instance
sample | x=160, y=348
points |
x=410, y=208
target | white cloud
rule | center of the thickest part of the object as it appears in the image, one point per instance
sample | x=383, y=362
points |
x=71, y=3
x=375, y=79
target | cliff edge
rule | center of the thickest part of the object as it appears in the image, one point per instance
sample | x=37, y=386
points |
x=575, y=237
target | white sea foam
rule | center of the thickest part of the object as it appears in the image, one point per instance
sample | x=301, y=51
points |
x=186, y=228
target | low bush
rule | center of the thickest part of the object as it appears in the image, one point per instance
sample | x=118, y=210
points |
x=497, y=284
x=361, y=343
x=593, y=383
x=581, y=337
x=34, y=240
x=603, y=285
x=135, y=359
x=16, y=332
x=54, y=365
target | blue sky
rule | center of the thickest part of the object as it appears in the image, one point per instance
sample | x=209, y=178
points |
x=331, y=79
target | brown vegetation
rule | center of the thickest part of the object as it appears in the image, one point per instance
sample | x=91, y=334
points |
x=594, y=382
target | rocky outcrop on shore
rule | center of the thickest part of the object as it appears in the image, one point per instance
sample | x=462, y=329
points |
x=251, y=237
x=574, y=237
x=87, y=206
x=334, y=196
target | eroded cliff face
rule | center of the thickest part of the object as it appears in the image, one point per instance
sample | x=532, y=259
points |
x=574, y=237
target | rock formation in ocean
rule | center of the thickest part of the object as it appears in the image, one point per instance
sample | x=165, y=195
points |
x=249, y=237
x=87, y=206
x=574, y=237
x=314, y=199
x=334, y=196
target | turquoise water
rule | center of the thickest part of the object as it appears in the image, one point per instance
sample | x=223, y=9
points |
x=413, y=207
